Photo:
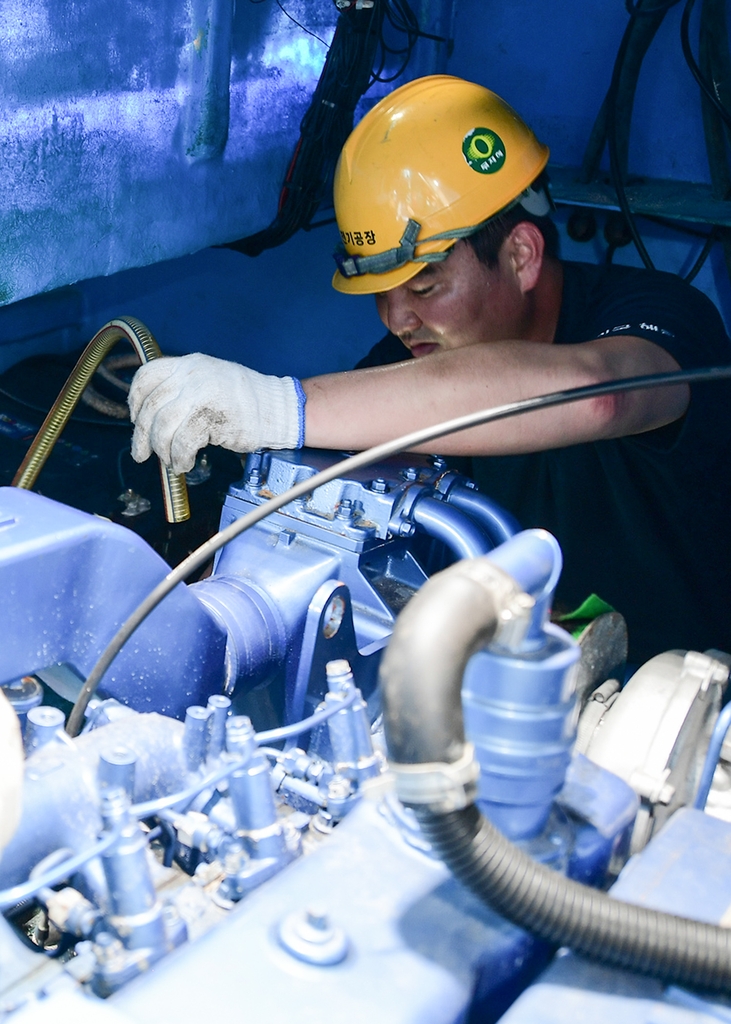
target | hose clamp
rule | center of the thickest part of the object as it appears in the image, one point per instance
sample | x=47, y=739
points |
x=444, y=787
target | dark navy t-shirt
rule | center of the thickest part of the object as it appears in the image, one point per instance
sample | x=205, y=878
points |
x=643, y=521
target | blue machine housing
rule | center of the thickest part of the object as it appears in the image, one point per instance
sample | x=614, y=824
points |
x=685, y=870
x=320, y=581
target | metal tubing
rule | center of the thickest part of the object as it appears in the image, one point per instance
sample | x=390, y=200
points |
x=61, y=797
x=175, y=493
x=462, y=535
x=196, y=736
x=253, y=796
x=498, y=524
x=136, y=911
x=349, y=728
x=220, y=708
x=43, y=725
x=117, y=770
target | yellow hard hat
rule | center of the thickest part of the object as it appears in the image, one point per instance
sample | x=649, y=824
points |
x=429, y=164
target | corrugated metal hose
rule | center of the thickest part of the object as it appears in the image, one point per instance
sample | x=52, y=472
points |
x=421, y=684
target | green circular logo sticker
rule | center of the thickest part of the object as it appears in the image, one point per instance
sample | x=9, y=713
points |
x=483, y=150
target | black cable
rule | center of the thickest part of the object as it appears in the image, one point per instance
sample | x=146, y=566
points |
x=350, y=68
x=408, y=442
x=715, y=63
x=77, y=416
x=643, y=27
x=702, y=256
x=400, y=16
x=707, y=89
x=300, y=25
x=612, y=125
x=614, y=162
x=326, y=124
x=169, y=841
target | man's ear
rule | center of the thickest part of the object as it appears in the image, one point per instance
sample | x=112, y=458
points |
x=524, y=248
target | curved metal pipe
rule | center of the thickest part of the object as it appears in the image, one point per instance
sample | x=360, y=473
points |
x=534, y=560
x=174, y=490
x=498, y=524
x=462, y=535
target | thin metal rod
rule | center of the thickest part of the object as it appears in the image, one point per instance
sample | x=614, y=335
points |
x=408, y=442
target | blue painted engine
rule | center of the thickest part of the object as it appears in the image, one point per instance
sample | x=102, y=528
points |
x=225, y=831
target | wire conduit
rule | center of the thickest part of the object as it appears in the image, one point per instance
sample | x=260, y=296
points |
x=125, y=328
x=453, y=615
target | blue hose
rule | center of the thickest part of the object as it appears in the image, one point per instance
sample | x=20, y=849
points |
x=714, y=752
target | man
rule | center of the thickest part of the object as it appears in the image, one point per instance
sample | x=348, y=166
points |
x=442, y=208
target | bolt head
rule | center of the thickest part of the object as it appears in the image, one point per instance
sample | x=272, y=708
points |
x=316, y=917
x=310, y=936
x=345, y=509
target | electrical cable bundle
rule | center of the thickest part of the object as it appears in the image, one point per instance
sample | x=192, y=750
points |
x=350, y=68
x=325, y=126
x=612, y=125
x=400, y=17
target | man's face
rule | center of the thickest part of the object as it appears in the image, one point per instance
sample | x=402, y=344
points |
x=454, y=304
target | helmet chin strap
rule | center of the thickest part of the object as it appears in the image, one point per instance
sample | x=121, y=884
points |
x=534, y=201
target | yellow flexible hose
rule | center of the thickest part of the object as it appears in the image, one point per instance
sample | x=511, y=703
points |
x=174, y=490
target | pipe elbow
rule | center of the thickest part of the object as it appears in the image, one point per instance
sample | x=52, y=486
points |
x=454, y=614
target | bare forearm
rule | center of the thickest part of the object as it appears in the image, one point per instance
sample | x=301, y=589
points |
x=365, y=407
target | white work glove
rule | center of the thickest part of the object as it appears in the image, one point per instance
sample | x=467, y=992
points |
x=181, y=404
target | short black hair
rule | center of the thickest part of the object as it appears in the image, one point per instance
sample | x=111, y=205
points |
x=487, y=242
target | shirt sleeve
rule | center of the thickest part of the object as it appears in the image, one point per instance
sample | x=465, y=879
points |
x=664, y=309
x=387, y=350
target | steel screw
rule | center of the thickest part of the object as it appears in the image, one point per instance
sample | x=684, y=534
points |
x=310, y=936
x=316, y=917
x=379, y=485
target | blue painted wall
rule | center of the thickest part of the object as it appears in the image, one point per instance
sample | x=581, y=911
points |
x=277, y=312
x=130, y=128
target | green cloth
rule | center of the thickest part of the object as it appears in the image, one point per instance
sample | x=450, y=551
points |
x=590, y=608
